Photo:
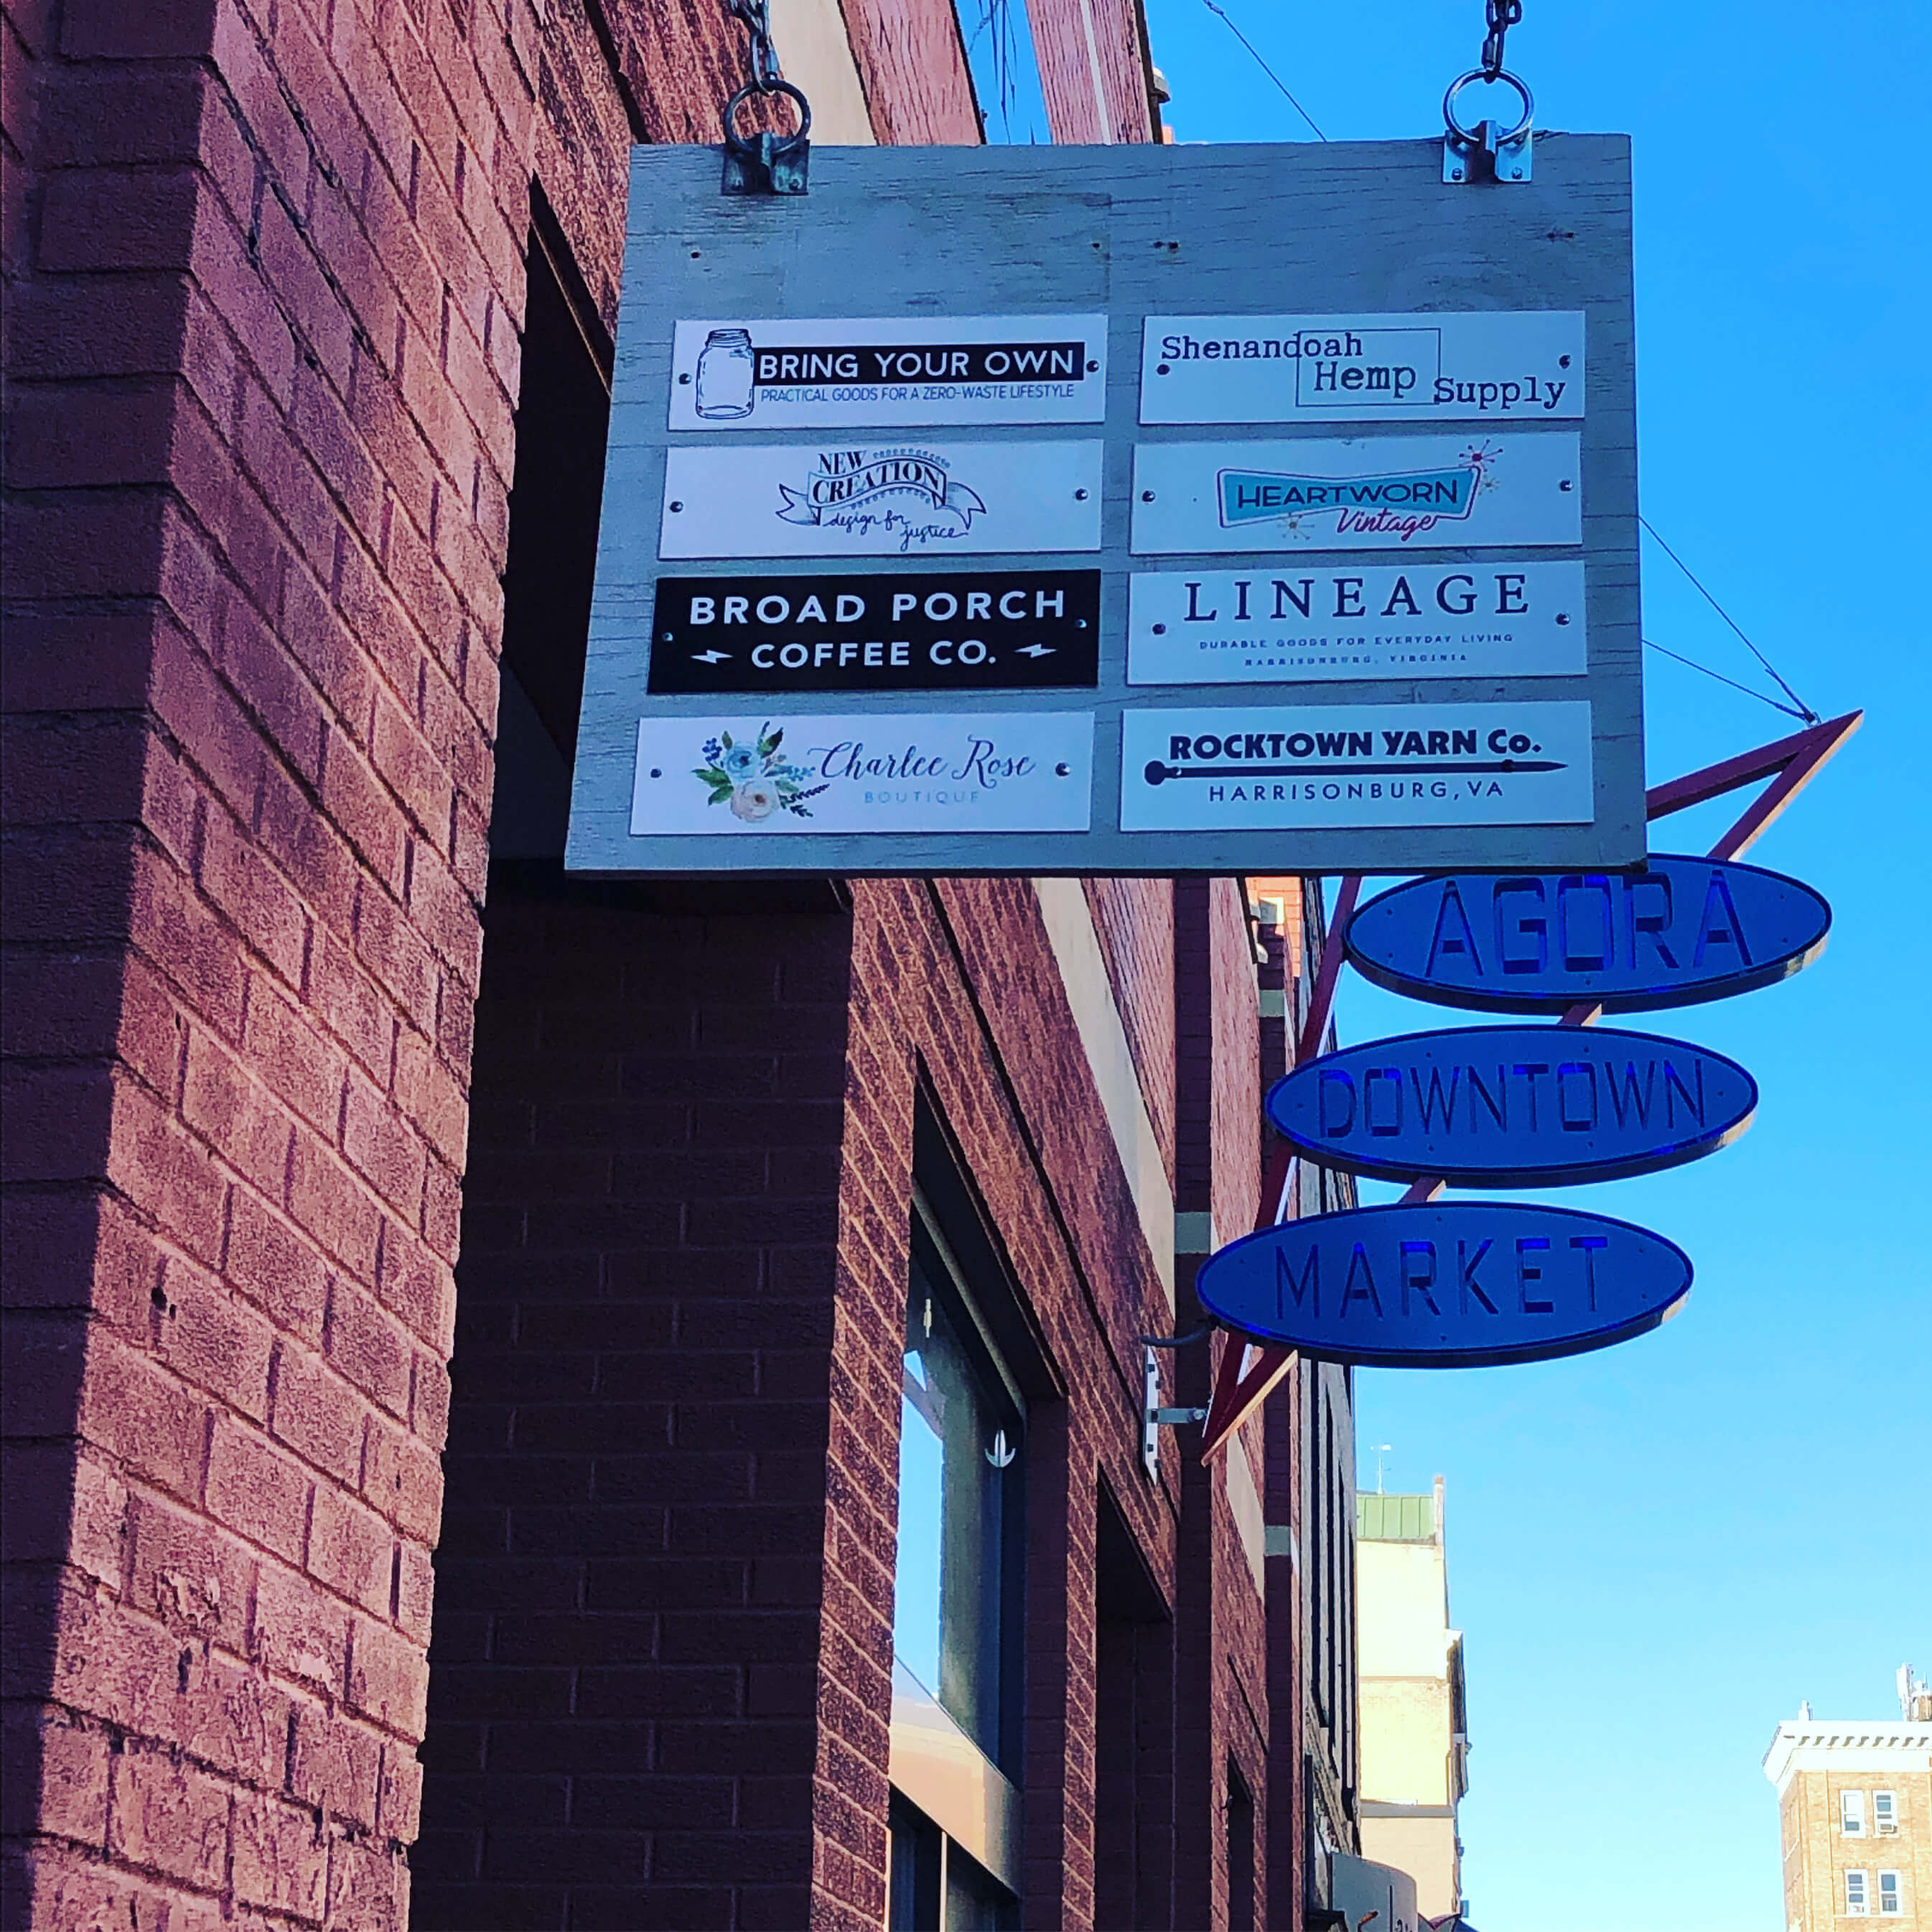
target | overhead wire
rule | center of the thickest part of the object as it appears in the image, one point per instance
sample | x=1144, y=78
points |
x=1221, y=13
x=1789, y=711
x=1804, y=710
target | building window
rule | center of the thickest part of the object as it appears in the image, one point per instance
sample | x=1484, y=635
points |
x=1885, y=1813
x=962, y=1478
x=958, y=1609
x=997, y=35
x=1858, y=1894
x=1890, y=1903
x=1852, y=1813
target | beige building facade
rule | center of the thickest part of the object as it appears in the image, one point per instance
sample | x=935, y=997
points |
x=1414, y=1729
x=1854, y=1803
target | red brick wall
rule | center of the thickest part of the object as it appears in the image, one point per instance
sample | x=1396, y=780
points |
x=1078, y=40
x=264, y=280
x=1134, y=919
x=264, y=270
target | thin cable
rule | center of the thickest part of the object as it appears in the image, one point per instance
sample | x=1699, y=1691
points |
x=1221, y=14
x=1803, y=717
x=1804, y=710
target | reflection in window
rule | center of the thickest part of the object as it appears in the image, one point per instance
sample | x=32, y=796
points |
x=1000, y=55
x=925, y=1867
x=961, y=1479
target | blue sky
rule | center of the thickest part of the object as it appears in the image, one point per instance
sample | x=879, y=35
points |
x=1657, y=1551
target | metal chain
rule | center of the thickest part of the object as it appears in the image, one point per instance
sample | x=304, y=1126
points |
x=1500, y=16
x=756, y=14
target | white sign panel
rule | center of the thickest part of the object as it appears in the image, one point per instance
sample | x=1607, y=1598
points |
x=745, y=778
x=928, y=500
x=1335, y=623
x=1361, y=368
x=1246, y=767
x=1359, y=493
x=770, y=372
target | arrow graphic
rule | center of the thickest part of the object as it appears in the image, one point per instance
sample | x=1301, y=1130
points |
x=709, y=657
x=1035, y=651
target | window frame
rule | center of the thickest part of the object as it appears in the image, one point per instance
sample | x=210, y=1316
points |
x=1852, y=1814
x=1861, y=1907
x=976, y=1816
x=1897, y=1908
x=1885, y=1814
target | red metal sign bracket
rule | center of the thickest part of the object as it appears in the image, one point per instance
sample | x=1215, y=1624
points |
x=1248, y=1371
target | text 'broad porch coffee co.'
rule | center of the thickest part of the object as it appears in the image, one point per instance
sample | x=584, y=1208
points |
x=955, y=630
x=1017, y=530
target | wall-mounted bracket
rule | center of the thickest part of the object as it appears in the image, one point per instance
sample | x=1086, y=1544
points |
x=767, y=163
x=1490, y=150
x=1154, y=1417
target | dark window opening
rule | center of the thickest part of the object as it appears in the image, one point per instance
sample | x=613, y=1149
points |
x=563, y=419
x=1133, y=1734
x=1240, y=1852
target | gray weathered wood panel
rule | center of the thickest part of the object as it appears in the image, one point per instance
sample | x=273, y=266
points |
x=1346, y=228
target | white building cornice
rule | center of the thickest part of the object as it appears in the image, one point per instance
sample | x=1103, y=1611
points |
x=1811, y=1744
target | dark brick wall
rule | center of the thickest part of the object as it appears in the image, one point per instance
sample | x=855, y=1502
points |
x=625, y=1669
x=668, y=1559
x=1221, y=1626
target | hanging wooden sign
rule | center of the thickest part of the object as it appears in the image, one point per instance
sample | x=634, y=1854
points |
x=1522, y=1106
x=1680, y=932
x=1449, y=1284
x=1316, y=446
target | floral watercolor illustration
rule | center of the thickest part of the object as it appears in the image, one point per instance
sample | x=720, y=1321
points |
x=754, y=778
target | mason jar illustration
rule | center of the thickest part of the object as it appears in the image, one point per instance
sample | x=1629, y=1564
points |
x=724, y=375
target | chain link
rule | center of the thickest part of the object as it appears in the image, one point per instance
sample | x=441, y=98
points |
x=1500, y=16
x=756, y=15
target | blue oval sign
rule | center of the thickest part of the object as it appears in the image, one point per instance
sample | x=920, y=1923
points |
x=1514, y=1106
x=1451, y=1285
x=1685, y=930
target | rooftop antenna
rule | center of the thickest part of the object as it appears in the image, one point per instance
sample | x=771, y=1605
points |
x=1382, y=1449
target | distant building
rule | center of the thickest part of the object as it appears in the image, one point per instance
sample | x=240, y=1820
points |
x=1855, y=1802
x=1414, y=1728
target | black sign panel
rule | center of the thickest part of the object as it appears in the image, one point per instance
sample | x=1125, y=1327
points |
x=937, y=631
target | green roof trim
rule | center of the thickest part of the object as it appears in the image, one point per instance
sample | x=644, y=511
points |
x=1395, y=1518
